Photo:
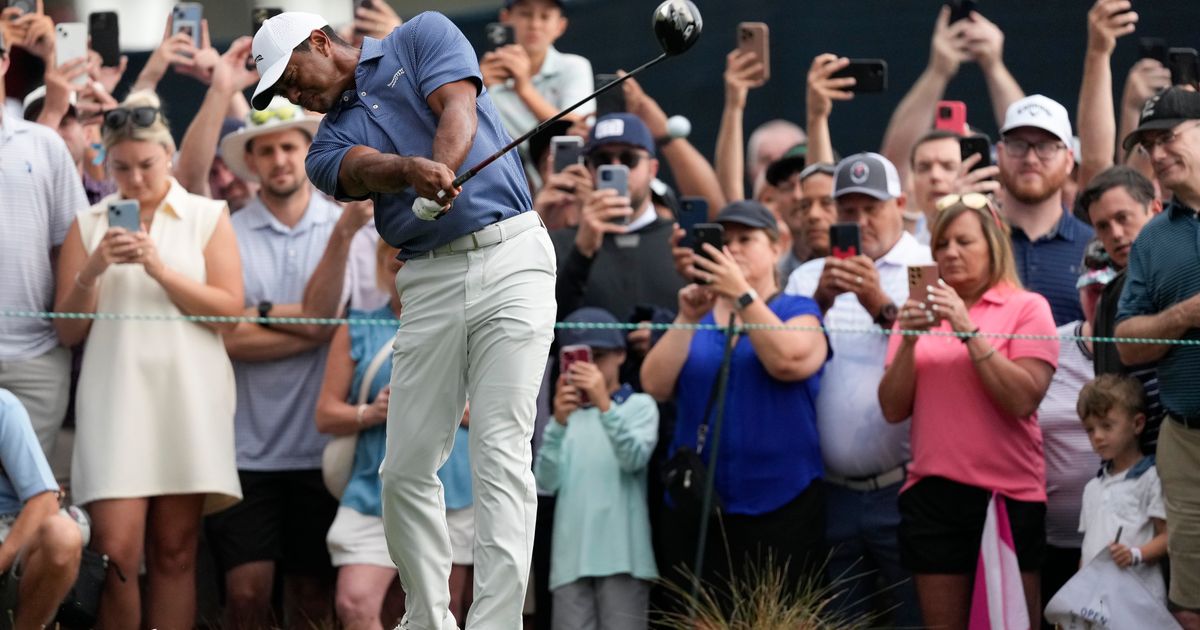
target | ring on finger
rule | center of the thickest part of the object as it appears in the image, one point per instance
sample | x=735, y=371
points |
x=858, y=280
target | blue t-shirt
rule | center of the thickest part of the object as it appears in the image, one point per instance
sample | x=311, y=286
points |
x=1050, y=265
x=26, y=471
x=388, y=110
x=769, y=449
x=364, y=491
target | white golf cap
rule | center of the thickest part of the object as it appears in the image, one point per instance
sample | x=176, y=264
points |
x=1040, y=112
x=273, y=46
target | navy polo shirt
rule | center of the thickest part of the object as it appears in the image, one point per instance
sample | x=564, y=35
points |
x=1164, y=269
x=388, y=111
x=1050, y=265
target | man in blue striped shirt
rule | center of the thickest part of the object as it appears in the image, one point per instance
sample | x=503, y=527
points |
x=1035, y=159
x=1161, y=300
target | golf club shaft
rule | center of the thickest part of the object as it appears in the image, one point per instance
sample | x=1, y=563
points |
x=462, y=179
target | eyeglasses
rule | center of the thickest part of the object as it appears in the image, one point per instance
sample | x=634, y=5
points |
x=629, y=157
x=972, y=200
x=138, y=116
x=1165, y=139
x=282, y=114
x=1044, y=150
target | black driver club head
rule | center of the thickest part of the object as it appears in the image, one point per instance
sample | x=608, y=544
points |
x=677, y=25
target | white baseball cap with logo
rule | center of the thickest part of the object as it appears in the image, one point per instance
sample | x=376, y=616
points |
x=1039, y=112
x=273, y=46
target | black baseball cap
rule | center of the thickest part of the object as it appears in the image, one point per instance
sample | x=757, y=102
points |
x=540, y=142
x=1164, y=111
x=792, y=161
x=750, y=214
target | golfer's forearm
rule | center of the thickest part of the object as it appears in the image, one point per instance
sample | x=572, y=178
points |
x=366, y=171
x=455, y=135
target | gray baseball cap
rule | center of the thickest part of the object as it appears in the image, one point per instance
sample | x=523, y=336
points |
x=867, y=173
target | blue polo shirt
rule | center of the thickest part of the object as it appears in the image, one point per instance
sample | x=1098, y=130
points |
x=1164, y=269
x=769, y=450
x=1050, y=265
x=388, y=111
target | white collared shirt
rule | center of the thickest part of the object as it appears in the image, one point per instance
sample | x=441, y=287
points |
x=562, y=80
x=856, y=441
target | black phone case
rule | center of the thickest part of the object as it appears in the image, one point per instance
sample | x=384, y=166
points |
x=971, y=145
x=845, y=240
x=870, y=75
x=1184, y=65
x=611, y=101
x=106, y=37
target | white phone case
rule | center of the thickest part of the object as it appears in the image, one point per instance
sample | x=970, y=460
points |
x=71, y=41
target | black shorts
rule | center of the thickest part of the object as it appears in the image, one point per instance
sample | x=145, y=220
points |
x=941, y=525
x=283, y=517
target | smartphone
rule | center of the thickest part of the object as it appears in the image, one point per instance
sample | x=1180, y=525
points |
x=186, y=19
x=711, y=233
x=1153, y=48
x=106, y=37
x=951, y=116
x=755, y=37
x=565, y=151
x=499, y=35
x=26, y=6
x=570, y=355
x=692, y=212
x=976, y=144
x=125, y=213
x=71, y=43
x=1184, y=65
x=611, y=101
x=845, y=240
x=258, y=15
x=960, y=9
x=920, y=277
x=871, y=75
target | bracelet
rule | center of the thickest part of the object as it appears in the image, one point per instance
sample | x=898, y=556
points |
x=1137, y=555
x=987, y=355
x=81, y=285
x=972, y=333
x=362, y=409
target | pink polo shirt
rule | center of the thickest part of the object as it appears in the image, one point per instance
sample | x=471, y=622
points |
x=958, y=432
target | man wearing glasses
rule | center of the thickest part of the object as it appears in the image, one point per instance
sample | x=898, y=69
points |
x=1161, y=300
x=1035, y=160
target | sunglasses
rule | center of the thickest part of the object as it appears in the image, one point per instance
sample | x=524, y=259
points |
x=137, y=116
x=629, y=157
x=282, y=114
x=972, y=200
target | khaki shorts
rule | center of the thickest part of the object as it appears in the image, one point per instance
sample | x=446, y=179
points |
x=1178, y=463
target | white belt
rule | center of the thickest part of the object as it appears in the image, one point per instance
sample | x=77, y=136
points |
x=873, y=482
x=493, y=234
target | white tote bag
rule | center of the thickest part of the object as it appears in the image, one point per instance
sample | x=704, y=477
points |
x=1103, y=595
x=337, y=461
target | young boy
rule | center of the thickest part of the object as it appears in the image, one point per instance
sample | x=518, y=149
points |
x=1123, y=512
x=593, y=457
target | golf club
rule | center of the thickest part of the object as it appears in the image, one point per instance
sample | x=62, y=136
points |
x=677, y=26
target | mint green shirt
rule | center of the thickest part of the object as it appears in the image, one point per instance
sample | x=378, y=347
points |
x=596, y=465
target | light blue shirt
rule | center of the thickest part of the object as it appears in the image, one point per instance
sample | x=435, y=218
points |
x=597, y=467
x=26, y=471
x=276, y=400
x=388, y=110
x=856, y=441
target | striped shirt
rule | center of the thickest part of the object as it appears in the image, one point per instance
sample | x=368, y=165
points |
x=40, y=193
x=1164, y=269
x=1070, y=461
x=1050, y=265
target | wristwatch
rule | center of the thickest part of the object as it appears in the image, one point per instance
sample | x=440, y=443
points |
x=745, y=300
x=264, y=310
x=887, y=316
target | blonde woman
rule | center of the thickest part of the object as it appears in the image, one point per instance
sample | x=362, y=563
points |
x=154, y=445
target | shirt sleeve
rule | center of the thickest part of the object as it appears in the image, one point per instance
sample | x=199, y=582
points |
x=1154, y=495
x=804, y=279
x=324, y=161
x=440, y=53
x=20, y=453
x=1135, y=297
x=68, y=197
x=1088, y=505
x=1035, y=318
x=632, y=430
x=547, y=470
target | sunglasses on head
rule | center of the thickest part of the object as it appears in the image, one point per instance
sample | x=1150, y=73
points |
x=629, y=157
x=972, y=200
x=282, y=114
x=137, y=116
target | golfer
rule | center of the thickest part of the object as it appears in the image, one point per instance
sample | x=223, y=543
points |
x=402, y=115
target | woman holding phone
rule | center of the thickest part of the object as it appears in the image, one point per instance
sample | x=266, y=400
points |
x=768, y=465
x=973, y=402
x=154, y=446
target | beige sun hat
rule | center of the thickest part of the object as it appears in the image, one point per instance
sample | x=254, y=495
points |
x=280, y=115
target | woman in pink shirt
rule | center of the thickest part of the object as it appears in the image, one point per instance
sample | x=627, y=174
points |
x=973, y=403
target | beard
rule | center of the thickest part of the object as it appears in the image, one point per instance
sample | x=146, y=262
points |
x=285, y=190
x=1049, y=184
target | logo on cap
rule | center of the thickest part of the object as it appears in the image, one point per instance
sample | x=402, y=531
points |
x=1148, y=108
x=859, y=172
x=610, y=128
x=258, y=59
x=1034, y=110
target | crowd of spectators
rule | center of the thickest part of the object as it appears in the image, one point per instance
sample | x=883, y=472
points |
x=850, y=458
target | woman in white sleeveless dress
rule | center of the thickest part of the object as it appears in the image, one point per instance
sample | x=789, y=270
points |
x=154, y=446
